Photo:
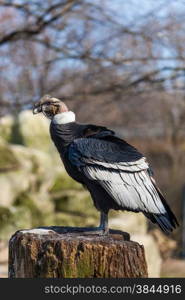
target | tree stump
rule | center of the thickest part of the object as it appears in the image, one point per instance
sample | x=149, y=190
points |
x=66, y=252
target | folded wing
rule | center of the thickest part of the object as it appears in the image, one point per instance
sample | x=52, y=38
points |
x=123, y=173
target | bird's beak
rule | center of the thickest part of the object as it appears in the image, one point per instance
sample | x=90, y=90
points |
x=37, y=108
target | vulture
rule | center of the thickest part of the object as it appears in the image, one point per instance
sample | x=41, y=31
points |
x=116, y=174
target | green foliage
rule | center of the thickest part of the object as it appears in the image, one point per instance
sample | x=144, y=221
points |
x=76, y=202
x=7, y=158
x=16, y=136
x=74, y=220
x=6, y=217
x=13, y=219
x=34, y=131
x=26, y=202
x=72, y=203
x=6, y=124
x=64, y=182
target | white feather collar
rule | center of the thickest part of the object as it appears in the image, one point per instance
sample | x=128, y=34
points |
x=64, y=117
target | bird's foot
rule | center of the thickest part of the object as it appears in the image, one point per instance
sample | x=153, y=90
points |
x=103, y=230
x=93, y=231
x=100, y=231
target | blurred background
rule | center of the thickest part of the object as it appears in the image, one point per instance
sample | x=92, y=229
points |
x=116, y=63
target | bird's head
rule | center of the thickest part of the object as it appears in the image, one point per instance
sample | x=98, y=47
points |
x=49, y=106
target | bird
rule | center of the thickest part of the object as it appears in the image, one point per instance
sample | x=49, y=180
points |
x=115, y=173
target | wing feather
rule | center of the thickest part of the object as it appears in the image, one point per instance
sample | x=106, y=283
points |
x=125, y=178
x=132, y=190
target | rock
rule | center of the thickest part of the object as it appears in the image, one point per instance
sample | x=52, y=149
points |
x=38, y=164
x=34, y=130
x=11, y=218
x=166, y=245
x=10, y=174
x=152, y=253
x=24, y=192
x=7, y=193
x=3, y=270
x=64, y=182
x=173, y=268
x=8, y=160
x=33, y=173
x=3, y=252
x=6, y=124
x=130, y=222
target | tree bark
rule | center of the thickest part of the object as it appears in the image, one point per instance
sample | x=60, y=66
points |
x=65, y=252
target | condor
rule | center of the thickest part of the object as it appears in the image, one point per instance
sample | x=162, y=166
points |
x=115, y=173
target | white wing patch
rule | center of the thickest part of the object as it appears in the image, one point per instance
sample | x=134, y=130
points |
x=135, y=166
x=129, y=184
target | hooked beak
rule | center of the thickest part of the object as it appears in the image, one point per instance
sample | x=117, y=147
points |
x=37, y=108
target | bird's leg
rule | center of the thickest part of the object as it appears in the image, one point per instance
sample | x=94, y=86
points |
x=102, y=229
x=103, y=222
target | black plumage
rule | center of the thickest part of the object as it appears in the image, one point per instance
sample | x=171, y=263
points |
x=116, y=174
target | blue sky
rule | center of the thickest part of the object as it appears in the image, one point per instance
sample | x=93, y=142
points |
x=137, y=9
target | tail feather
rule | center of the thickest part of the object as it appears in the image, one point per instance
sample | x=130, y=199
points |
x=164, y=223
x=171, y=217
x=167, y=221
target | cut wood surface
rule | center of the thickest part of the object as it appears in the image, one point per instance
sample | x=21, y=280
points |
x=66, y=252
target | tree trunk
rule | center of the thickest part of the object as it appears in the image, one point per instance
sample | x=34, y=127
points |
x=64, y=252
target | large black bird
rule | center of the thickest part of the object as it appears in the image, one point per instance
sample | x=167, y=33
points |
x=115, y=173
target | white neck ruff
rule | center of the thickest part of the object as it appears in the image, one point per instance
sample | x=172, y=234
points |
x=64, y=117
